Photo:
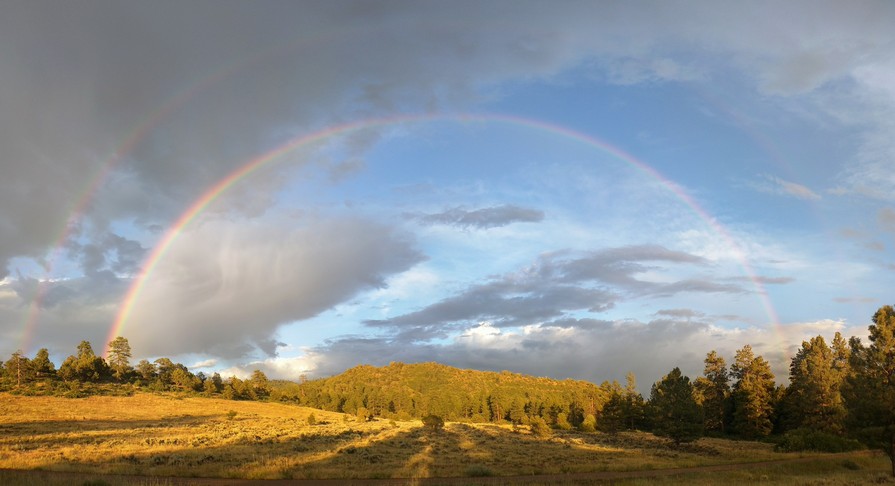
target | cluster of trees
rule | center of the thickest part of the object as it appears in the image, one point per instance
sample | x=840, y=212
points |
x=841, y=389
x=86, y=367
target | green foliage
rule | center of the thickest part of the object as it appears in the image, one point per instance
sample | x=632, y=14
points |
x=869, y=389
x=674, y=411
x=260, y=384
x=712, y=391
x=813, y=399
x=799, y=440
x=433, y=422
x=41, y=365
x=85, y=367
x=119, y=358
x=403, y=391
x=18, y=369
x=478, y=471
x=562, y=422
x=540, y=428
x=752, y=394
x=589, y=424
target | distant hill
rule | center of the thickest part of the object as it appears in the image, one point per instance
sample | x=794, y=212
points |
x=414, y=390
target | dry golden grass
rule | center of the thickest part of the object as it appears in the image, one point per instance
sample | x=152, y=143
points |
x=171, y=435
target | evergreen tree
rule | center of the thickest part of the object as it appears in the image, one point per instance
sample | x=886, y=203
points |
x=42, y=366
x=146, y=371
x=260, y=384
x=18, y=368
x=164, y=369
x=673, y=409
x=752, y=394
x=712, y=391
x=612, y=417
x=634, y=405
x=208, y=387
x=869, y=389
x=183, y=379
x=119, y=357
x=85, y=367
x=813, y=399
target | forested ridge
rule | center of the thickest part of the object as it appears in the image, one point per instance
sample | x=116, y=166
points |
x=838, y=393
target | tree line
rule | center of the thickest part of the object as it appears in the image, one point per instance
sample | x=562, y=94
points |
x=85, y=372
x=837, y=392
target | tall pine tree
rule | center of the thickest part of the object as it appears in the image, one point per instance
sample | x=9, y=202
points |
x=673, y=409
x=813, y=399
x=869, y=390
x=713, y=391
x=752, y=394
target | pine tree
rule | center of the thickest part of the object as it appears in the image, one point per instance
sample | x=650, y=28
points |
x=19, y=368
x=713, y=391
x=813, y=399
x=119, y=357
x=260, y=384
x=752, y=394
x=41, y=364
x=146, y=370
x=869, y=390
x=674, y=411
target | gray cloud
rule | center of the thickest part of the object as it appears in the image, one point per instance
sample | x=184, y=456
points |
x=247, y=279
x=765, y=280
x=189, y=96
x=483, y=218
x=557, y=284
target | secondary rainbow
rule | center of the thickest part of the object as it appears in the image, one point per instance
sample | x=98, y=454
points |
x=200, y=204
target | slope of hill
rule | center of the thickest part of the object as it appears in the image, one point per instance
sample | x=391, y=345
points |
x=414, y=390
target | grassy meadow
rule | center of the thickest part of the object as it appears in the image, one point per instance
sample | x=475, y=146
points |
x=174, y=435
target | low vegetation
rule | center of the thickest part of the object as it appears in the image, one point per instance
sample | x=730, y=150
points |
x=172, y=435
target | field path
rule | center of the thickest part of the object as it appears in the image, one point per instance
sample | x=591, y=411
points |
x=30, y=476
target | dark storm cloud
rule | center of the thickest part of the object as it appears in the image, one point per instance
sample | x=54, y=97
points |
x=484, y=218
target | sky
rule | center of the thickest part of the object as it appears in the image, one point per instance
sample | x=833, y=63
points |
x=565, y=189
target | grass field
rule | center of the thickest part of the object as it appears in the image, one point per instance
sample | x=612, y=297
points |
x=172, y=435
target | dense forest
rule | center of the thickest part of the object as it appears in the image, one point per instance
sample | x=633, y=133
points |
x=839, y=392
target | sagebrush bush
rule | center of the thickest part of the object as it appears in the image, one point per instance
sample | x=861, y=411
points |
x=812, y=440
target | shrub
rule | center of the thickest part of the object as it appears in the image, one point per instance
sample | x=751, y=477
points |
x=589, y=424
x=312, y=420
x=478, y=471
x=812, y=440
x=539, y=427
x=433, y=422
x=231, y=414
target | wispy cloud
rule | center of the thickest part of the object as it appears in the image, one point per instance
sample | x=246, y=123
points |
x=775, y=185
x=483, y=218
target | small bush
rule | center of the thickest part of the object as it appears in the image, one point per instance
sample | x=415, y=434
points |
x=231, y=414
x=433, y=422
x=312, y=420
x=478, y=471
x=539, y=427
x=812, y=440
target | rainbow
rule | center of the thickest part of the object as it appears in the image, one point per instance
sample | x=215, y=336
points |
x=199, y=205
